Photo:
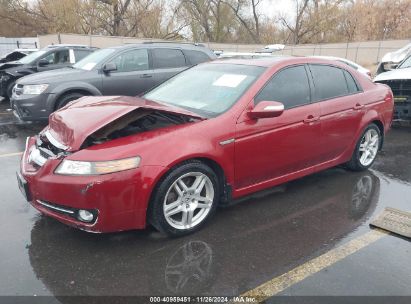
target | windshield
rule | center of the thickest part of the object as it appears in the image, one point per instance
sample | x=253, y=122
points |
x=208, y=89
x=32, y=57
x=406, y=63
x=89, y=62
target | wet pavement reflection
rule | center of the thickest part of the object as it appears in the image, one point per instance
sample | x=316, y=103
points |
x=251, y=239
x=262, y=236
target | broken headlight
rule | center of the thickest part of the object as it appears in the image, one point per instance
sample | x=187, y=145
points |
x=74, y=167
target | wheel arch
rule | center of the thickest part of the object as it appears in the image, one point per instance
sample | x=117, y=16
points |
x=225, y=187
x=60, y=91
x=380, y=126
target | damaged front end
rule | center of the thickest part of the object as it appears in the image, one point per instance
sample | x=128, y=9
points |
x=65, y=175
x=137, y=121
x=44, y=148
x=93, y=121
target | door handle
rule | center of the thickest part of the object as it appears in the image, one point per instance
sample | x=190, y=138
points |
x=358, y=106
x=146, y=76
x=311, y=118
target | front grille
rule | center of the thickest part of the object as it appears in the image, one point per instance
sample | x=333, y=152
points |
x=400, y=88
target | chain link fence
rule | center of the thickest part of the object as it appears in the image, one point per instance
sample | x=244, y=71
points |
x=9, y=44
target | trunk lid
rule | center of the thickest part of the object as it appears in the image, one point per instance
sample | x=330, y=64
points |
x=73, y=124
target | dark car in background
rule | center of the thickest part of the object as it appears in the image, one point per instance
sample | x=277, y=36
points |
x=123, y=70
x=16, y=55
x=49, y=58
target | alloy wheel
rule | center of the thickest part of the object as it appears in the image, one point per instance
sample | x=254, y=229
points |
x=369, y=147
x=188, y=200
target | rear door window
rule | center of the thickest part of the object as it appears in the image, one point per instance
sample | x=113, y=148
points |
x=289, y=86
x=196, y=57
x=168, y=58
x=351, y=84
x=329, y=82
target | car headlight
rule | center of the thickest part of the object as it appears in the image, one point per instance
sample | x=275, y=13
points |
x=34, y=89
x=74, y=167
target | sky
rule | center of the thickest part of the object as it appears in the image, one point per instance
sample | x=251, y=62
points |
x=272, y=8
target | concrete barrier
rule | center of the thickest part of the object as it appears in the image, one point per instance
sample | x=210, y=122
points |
x=366, y=53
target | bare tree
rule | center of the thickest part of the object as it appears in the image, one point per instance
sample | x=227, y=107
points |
x=251, y=26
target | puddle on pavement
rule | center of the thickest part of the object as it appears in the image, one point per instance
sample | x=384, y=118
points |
x=310, y=216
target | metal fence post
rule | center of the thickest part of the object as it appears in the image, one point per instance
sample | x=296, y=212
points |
x=18, y=44
x=346, y=50
x=379, y=49
x=356, y=53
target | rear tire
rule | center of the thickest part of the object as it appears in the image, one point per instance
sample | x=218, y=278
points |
x=184, y=199
x=65, y=99
x=366, y=149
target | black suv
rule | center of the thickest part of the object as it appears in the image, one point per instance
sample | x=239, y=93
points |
x=124, y=70
x=49, y=58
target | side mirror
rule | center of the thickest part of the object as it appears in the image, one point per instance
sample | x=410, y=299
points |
x=43, y=62
x=110, y=66
x=267, y=109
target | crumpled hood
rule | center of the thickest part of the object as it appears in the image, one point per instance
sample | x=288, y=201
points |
x=398, y=55
x=53, y=76
x=394, y=75
x=8, y=65
x=72, y=124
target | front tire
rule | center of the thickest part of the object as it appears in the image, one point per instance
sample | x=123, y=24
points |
x=65, y=99
x=184, y=199
x=366, y=149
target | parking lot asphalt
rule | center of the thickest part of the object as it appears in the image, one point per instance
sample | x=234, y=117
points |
x=307, y=237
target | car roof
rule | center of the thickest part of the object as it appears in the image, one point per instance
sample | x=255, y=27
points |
x=189, y=46
x=275, y=60
x=79, y=46
x=336, y=58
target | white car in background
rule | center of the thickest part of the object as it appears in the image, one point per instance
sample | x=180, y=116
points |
x=399, y=80
x=239, y=55
x=391, y=60
x=350, y=63
x=272, y=48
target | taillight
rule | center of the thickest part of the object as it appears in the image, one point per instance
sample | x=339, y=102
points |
x=389, y=97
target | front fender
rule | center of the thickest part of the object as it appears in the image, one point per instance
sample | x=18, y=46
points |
x=65, y=88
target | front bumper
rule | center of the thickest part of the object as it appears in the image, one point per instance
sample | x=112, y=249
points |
x=32, y=107
x=119, y=199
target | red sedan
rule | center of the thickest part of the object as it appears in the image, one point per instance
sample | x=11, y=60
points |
x=215, y=132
